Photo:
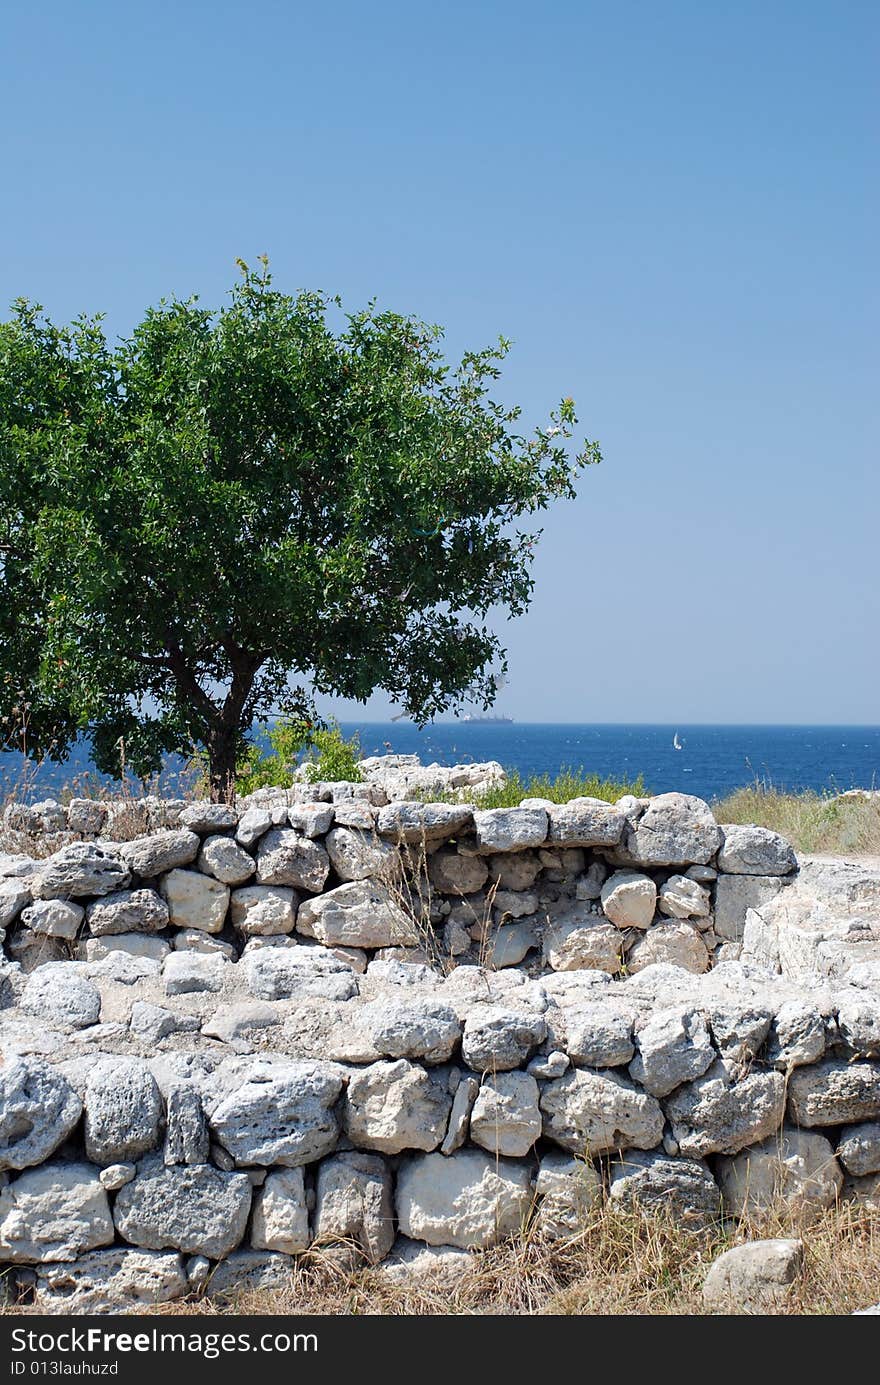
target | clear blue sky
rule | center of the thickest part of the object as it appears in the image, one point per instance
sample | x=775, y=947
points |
x=671, y=209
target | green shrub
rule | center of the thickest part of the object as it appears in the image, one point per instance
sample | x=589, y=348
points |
x=324, y=752
x=560, y=788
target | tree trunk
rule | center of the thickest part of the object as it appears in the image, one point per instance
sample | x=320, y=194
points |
x=221, y=767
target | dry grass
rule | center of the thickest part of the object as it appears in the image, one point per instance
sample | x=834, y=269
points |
x=812, y=822
x=620, y=1264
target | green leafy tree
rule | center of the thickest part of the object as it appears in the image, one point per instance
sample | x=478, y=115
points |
x=215, y=518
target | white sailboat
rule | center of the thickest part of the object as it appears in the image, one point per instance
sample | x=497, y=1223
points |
x=676, y=743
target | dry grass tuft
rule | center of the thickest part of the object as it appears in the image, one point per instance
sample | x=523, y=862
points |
x=812, y=822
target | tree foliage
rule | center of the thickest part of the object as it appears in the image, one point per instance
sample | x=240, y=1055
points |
x=213, y=519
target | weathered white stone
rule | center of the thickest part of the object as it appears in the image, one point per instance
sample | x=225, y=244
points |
x=629, y=899
x=717, y=1113
x=82, y=868
x=859, y=1148
x=57, y=918
x=679, y=944
x=754, y=1277
x=739, y=1028
x=295, y=972
x=393, y=1106
x=196, y=940
x=676, y=829
x=750, y=850
x=585, y=822
x=59, y=994
x=225, y=860
x=568, y=1189
x=38, y=1110
x=357, y=855
x=794, y=1168
x=650, y=1181
x=858, y=1022
x=498, y=1038
x=834, y=1093
x=735, y=895
x=86, y=816
x=505, y=1117
x=419, y=1028
x=515, y=904
x=797, y=1035
x=205, y=817
x=281, y=1215
x=118, y=1280
x=194, y=1208
x=282, y=1116
x=591, y=1113
x=123, y=1111
x=195, y=900
x=54, y=1212
x=683, y=898
x=362, y=913
x=285, y=858
x=252, y=825
x=510, y=829
x=470, y=1200
x=413, y=822
x=257, y=910
x=14, y=896
x=452, y=873
x=598, y=1035
x=189, y=972
x=158, y=852
x=412, y=1262
x=673, y=1047
x=353, y=1203
x=577, y=940
x=231, y=1023
x=311, y=819
x=510, y=944
x=589, y=885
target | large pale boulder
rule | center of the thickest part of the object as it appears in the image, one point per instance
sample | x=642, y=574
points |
x=750, y=850
x=676, y=829
x=357, y=855
x=673, y=1047
x=284, y=1115
x=684, y=898
x=505, y=1118
x=56, y=918
x=80, y=869
x=471, y=1199
x=59, y=994
x=735, y=895
x=158, y=852
x=258, y=910
x=353, y=1203
x=281, y=1214
x=38, y=1110
x=297, y=972
x=718, y=1113
x=361, y=913
x=755, y=1277
x=54, y=1212
x=414, y=822
x=417, y=1028
x=794, y=1168
x=859, y=1148
x=123, y=1110
x=285, y=858
x=194, y=1208
x=629, y=899
x=592, y=1113
x=226, y=861
x=205, y=817
x=514, y=871
x=497, y=1038
x=450, y=872
x=677, y=944
x=195, y=900
x=598, y=1035
x=585, y=822
x=577, y=940
x=393, y=1106
x=510, y=829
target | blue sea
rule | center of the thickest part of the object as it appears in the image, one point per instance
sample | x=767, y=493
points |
x=712, y=762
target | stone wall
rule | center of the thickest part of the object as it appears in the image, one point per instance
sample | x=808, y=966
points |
x=404, y=1030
